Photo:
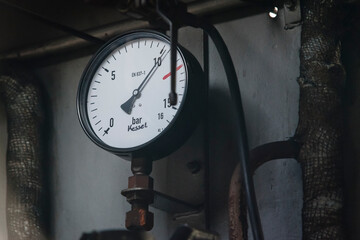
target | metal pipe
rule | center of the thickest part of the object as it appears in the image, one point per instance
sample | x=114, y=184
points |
x=27, y=199
x=321, y=119
x=73, y=43
x=52, y=23
x=67, y=44
x=238, y=225
x=272, y=151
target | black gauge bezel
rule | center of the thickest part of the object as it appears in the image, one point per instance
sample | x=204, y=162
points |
x=181, y=125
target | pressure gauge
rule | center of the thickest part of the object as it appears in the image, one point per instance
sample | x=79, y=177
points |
x=123, y=97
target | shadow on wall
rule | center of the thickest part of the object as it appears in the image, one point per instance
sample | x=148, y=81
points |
x=223, y=149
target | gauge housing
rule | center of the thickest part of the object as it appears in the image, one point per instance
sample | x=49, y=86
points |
x=185, y=119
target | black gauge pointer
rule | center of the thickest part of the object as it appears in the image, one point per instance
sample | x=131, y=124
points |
x=128, y=105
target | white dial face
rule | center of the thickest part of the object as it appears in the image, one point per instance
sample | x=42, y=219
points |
x=128, y=97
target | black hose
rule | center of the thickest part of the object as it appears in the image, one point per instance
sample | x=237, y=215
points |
x=243, y=147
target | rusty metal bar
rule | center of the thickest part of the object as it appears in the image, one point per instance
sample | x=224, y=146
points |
x=237, y=203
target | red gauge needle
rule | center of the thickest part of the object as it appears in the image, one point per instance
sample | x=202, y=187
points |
x=169, y=74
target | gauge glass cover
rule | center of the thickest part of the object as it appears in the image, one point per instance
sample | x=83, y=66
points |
x=128, y=95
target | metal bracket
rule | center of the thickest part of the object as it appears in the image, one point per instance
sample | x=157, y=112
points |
x=181, y=233
x=173, y=205
x=187, y=233
x=140, y=194
x=292, y=14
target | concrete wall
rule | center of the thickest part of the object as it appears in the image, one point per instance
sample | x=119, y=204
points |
x=3, y=143
x=267, y=64
x=87, y=180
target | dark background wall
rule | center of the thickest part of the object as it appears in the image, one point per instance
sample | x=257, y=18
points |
x=87, y=180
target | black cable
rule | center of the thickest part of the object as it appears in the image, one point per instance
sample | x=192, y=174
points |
x=173, y=42
x=243, y=147
x=206, y=132
x=54, y=24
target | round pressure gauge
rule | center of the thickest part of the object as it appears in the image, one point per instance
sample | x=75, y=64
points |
x=123, y=97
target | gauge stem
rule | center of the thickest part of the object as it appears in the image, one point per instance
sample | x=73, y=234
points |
x=173, y=39
x=170, y=15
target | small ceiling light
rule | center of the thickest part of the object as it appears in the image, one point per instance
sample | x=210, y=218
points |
x=274, y=12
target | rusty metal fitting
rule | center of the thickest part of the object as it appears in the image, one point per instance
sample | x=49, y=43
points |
x=138, y=195
x=139, y=219
x=140, y=189
x=141, y=181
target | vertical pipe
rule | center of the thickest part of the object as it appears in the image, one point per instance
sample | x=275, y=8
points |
x=320, y=127
x=26, y=205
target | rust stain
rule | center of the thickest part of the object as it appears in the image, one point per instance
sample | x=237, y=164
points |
x=142, y=217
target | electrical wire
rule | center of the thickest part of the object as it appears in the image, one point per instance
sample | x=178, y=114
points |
x=243, y=147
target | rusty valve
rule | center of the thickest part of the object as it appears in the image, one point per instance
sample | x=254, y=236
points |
x=139, y=194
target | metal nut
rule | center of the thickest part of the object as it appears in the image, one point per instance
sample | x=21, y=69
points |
x=141, y=181
x=139, y=219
